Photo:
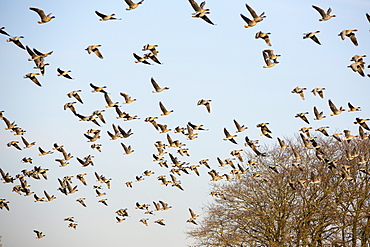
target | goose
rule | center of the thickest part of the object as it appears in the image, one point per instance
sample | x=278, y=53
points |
x=157, y=88
x=38, y=55
x=26, y=143
x=81, y=178
x=64, y=73
x=352, y=108
x=347, y=136
x=299, y=91
x=27, y=160
x=229, y=137
x=16, y=40
x=9, y=125
x=91, y=118
x=106, y=17
x=48, y=197
x=334, y=109
x=3, y=32
x=264, y=36
x=362, y=122
x=44, y=18
x=164, y=110
x=73, y=225
x=318, y=115
x=127, y=98
x=205, y=163
x=324, y=15
x=93, y=138
x=256, y=18
x=109, y=101
x=350, y=34
x=237, y=153
x=32, y=77
x=119, y=220
x=128, y=149
x=141, y=59
x=42, y=152
x=132, y=5
x=306, y=130
x=323, y=130
x=149, y=47
x=144, y=221
x=319, y=91
x=104, y=201
x=81, y=201
x=160, y=222
x=98, y=193
x=153, y=56
x=94, y=49
x=302, y=116
x=75, y=95
x=128, y=184
x=206, y=103
x=200, y=12
x=38, y=199
x=312, y=35
x=270, y=58
x=39, y=61
x=39, y=234
x=358, y=67
x=97, y=88
x=281, y=143
x=14, y=144
x=99, y=114
x=305, y=140
x=70, y=106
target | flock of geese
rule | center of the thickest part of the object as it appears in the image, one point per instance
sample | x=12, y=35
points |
x=191, y=131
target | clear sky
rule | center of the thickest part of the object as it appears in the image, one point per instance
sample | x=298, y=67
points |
x=223, y=63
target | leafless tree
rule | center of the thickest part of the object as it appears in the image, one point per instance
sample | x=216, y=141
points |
x=315, y=194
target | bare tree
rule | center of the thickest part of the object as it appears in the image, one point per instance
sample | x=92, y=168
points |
x=315, y=194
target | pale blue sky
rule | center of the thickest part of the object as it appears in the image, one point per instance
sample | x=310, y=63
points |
x=200, y=61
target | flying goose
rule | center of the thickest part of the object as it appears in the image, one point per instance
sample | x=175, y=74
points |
x=324, y=15
x=75, y=95
x=94, y=48
x=41, y=13
x=106, y=17
x=38, y=55
x=157, y=88
x=3, y=32
x=82, y=201
x=64, y=73
x=350, y=34
x=160, y=222
x=200, y=12
x=153, y=56
x=334, y=109
x=48, y=197
x=299, y=91
x=229, y=137
x=16, y=40
x=318, y=115
x=97, y=88
x=164, y=110
x=302, y=116
x=270, y=58
x=256, y=18
x=352, y=108
x=109, y=101
x=104, y=201
x=264, y=36
x=70, y=106
x=206, y=103
x=362, y=122
x=323, y=130
x=26, y=143
x=127, y=149
x=127, y=98
x=39, y=234
x=14, y=144
x=281, y=143
x=319, y=91
x=358, y=67
x=32, y=77
x=141, y=59
x=312, y=35
x=132, y=5
x=81, y=178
